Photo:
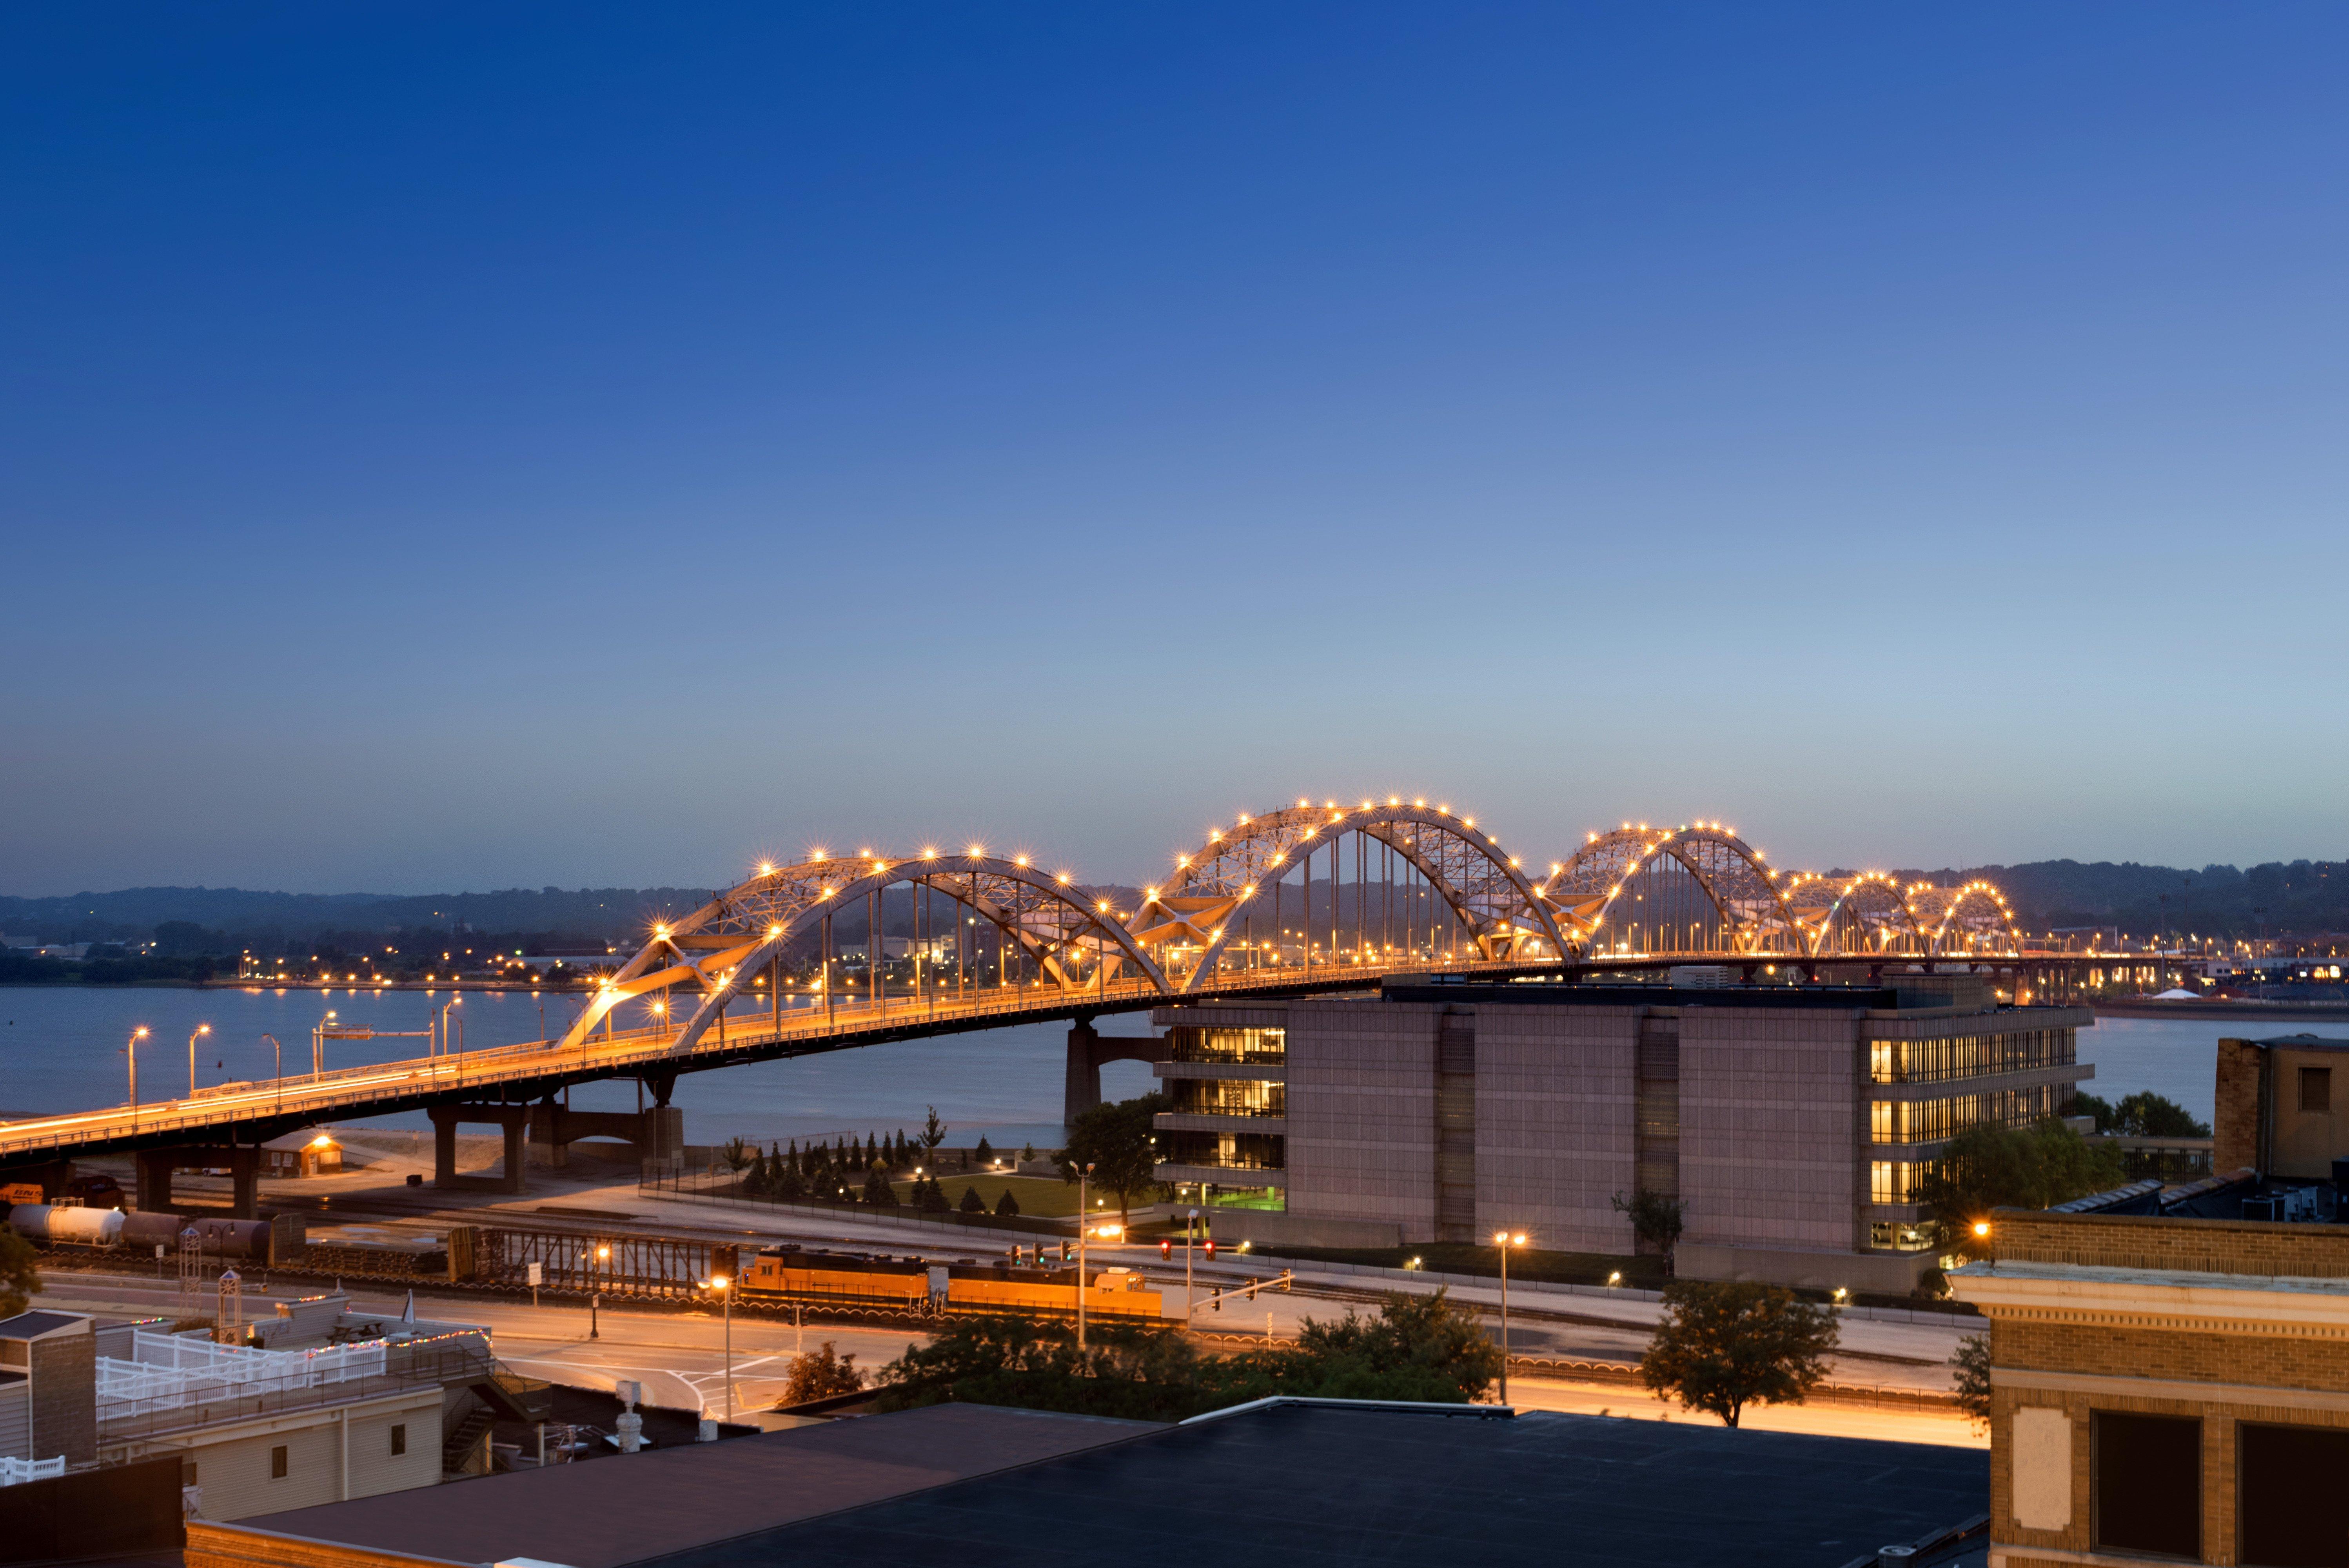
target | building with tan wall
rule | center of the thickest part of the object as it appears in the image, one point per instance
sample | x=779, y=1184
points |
x=2281, y=1105
x=2166, y=1388
x=1795, y=1122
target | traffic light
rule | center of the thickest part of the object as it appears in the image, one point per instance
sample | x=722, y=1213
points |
x=1251, y=1287
x=1285, y=1277
x=1211, y=1249
x=1068, y=1251
x=1166, y=1249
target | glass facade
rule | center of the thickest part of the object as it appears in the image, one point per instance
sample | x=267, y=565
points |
x=1225, y=1151
x=1264, y=1048
x=1930, y=1120
x=1228, y=1097
x=1969, y=1055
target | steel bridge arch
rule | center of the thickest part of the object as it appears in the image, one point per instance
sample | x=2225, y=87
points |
x=738, y=931
x=1731, y=872
x=1827, y=907
x=1486, y=890
x=1970, y=908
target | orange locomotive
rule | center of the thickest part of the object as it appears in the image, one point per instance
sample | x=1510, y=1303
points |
x=912, y=1285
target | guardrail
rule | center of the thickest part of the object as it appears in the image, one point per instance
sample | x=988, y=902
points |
x=613, y=1053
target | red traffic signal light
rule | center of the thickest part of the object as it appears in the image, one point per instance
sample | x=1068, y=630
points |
x=1211, y=1249
x=1166, y=1249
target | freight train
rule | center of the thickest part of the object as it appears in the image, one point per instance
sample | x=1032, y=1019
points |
x=789, y=1273
x=241, y=1241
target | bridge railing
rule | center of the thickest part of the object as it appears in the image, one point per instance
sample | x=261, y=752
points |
x=333, y=1089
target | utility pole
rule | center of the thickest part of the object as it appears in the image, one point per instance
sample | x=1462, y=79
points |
x=1190, y=1245
x=1504, y=1241
x=1084, y=1223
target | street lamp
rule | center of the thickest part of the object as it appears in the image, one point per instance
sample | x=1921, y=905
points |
x=725, y=1288
x=1083, y=1215
x=1504, y=1241
x=132, y=1051
x=202, y=1029
x=596, y=1298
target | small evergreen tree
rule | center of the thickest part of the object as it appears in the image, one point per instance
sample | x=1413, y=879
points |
x=1007, y=1207
x=877, y=1189
x=972, y=1204
x=1027, y=1153
x=791, y=1187
x=985, y=1153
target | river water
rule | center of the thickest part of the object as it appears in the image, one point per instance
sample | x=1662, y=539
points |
x=61, y=1049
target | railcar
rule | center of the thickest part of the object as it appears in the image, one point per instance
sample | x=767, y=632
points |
x=910, y=1285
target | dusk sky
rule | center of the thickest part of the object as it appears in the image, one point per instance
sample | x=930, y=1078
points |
x=466, y=447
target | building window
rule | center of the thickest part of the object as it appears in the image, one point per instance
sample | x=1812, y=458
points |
x=2316, y=1089
x=398, y=1441
x=277, y=1462
x=2145, y=1483
x=2288, y=1496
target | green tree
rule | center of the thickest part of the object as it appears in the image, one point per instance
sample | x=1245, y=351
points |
x=820, y=1374
x=1988, y=1167
x=1027, y=1153
x=1972, y=1361
x=19, y=1279
x=1007, y=1207
x=737, y=1155
x=930, y=1197
x=877, y=1189
x=985, y=1153
x=1115, y=1139
x=1721, y=1348
x=933, y=1133
x=972, y=1204
x=2147, y=1115
x=1656, y=1219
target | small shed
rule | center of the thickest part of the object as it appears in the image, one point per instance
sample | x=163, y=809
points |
x=312, y=1151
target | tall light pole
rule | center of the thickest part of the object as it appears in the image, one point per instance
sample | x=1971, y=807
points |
x=132, y=1051
x=596, y=1297
x=202, y=1029
x=1084, y=1222
x=1190, y=1245
x=725, y=1288
x=1504, y=1241
x=280, y=1069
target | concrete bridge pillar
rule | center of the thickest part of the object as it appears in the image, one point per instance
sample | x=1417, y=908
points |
x=1088, y=1049
x=156, y=1168
x=514, y=1119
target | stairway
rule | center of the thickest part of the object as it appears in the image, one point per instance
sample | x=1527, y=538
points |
x=464, y=1451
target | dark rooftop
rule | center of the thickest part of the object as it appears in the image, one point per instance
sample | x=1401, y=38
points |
x=33, y=1324
x=1293, y=1484
x=666, y=1500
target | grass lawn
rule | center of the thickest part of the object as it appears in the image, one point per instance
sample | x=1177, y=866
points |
x=1043, y=1197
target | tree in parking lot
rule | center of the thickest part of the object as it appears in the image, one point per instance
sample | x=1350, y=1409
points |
x=1721, y=1348
x=1115, y=1141
x=19, y=1280
x=820, y=1374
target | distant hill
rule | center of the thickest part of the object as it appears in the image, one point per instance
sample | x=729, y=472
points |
x=2304, y=897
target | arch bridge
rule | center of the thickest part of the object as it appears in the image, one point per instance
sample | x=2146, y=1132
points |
x=838, y=951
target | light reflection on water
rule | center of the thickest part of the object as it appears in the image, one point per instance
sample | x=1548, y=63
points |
x=61, y=1049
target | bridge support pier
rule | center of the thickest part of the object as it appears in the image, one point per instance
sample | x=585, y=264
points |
x=655, y=1134
x=157, y=1166
x=514, y=1119
x=1088, y=1050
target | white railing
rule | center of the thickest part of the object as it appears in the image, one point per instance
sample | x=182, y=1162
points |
x=168, y=1371
x=15, y=1471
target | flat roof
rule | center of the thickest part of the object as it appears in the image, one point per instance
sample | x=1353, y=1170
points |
x=616, y=1511
x=1294, y=1484
x=34, y=1325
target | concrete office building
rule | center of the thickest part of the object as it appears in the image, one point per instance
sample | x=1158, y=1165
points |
x=1795, y=1122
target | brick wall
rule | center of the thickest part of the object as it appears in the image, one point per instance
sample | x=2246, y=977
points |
x=2189, y=1246
x=64, y=1397
x=2235, y=1120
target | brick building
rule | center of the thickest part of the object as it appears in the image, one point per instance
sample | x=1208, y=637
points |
x=1795, y=1122
x=2169, y=1386
x=2281, y=1105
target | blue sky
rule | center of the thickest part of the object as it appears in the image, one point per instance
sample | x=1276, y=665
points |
x=476, y=446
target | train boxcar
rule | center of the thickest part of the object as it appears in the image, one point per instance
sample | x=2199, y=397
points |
x=913, y=1284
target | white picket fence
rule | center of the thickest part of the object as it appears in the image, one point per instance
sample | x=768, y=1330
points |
x=15, y=1471
x=168, y=1371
